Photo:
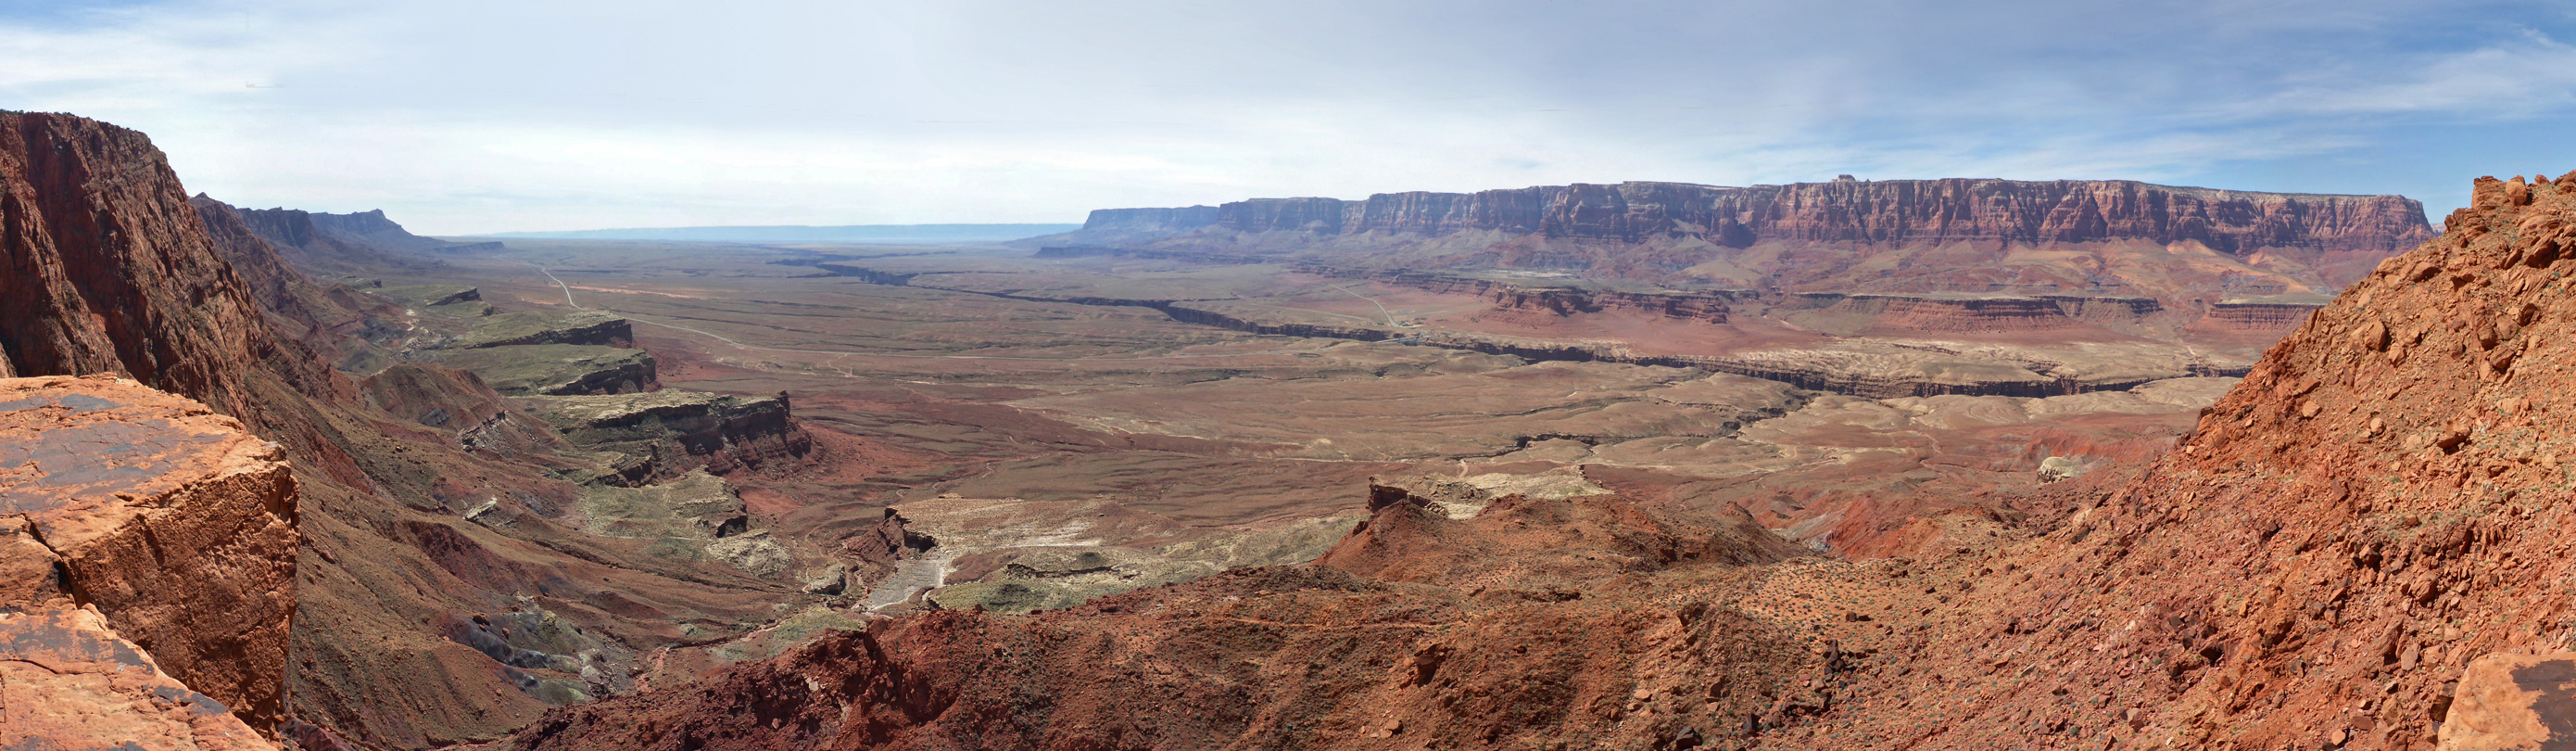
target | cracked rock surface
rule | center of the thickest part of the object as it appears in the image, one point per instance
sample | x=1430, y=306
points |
x=149, y=552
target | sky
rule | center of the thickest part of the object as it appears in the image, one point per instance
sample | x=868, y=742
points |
x=465, y=116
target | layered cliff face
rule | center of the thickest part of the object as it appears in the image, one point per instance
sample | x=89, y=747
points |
x=668, y=433
x=1952, y=235
x=350, y=242
x=345, y=327
x=2278, y=316
x=133, y=520
x=109, y=271
x=1890, y=211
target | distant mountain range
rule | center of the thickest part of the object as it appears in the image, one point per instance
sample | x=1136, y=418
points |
x=905, y=234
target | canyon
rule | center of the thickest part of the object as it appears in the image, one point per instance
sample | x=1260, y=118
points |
x=1854, y=464
x=2347, y=512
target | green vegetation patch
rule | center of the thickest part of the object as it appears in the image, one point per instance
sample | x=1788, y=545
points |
x=553, y=369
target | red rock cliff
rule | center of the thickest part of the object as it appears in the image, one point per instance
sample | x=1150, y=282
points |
x=109, y=271
x=1890, y=211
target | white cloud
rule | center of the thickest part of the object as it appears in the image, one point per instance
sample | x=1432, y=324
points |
x=484, y=115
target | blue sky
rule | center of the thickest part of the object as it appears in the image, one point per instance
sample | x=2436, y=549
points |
x=468, y=116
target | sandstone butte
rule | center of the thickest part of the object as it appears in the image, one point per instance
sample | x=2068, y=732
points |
x=147, y=570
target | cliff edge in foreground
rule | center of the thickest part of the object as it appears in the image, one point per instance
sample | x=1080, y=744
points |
x=147, y=570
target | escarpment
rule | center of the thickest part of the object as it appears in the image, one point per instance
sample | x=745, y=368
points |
x=110, y=271
x=2104, y=237
x=350, y=242
x=2259, y=314
x=1887, y=211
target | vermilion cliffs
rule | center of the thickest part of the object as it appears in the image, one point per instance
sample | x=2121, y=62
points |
x=1908, y=464
x=1845, y=235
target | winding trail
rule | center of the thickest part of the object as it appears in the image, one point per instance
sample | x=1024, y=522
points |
x=1381, y=307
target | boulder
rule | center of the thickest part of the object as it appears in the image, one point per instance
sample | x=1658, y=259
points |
x=138, y=517
x=2513, y=701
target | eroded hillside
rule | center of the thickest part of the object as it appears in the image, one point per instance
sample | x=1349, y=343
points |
x=2312, y=567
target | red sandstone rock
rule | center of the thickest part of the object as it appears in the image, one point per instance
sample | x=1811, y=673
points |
x=109, y=270
x=68, y=682
x=2511, y=701
x=170, y=521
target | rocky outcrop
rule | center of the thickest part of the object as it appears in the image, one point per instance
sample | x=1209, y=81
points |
x=1891, y=211
x=555, y=369
x=2259, y=314
x=68, y=681
x=890, y=540
x=2513, y=701
x=2105, y=308
x=351, y=241
x=668, y=433
x=168, y=524
x=578, y=327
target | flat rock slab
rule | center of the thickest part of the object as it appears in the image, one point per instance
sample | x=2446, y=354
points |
x=2511, y=701
x=68, y=682
x=168, y=519
x=548, y=327
x=554, y=369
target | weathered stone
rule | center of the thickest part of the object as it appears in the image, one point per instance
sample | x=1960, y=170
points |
x=67, y=681
x=2057, y=468
x=2513, y=701
x=169, y=520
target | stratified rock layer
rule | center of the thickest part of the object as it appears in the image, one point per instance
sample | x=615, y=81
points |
x=109, y=271
x=1889, y=211
x=669, y=432
x=168, y=520
x=555, y=369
